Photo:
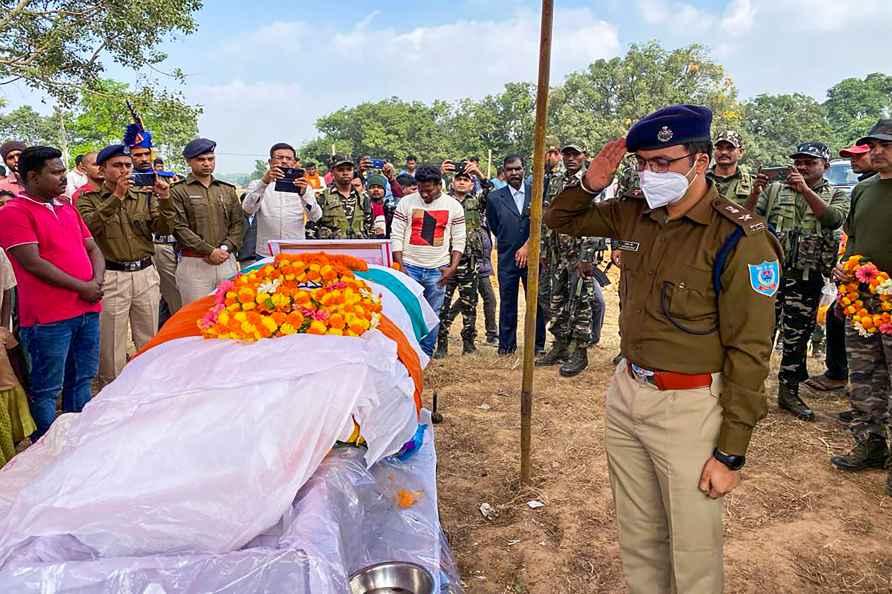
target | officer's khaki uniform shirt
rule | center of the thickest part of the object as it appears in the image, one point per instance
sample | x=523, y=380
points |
x=123, y=228
x=667, y=268
x=207, y=217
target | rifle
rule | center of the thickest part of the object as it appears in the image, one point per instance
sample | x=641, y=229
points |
x=601, y=275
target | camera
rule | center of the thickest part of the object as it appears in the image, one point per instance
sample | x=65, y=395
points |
x=459, y=166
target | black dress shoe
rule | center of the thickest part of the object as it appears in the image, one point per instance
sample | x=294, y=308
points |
x=506, y=352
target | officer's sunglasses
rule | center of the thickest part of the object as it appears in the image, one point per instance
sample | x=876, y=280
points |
x=657, y=164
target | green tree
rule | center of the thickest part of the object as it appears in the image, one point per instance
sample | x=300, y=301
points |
x=260, y=168
x=58, y=45
x=854, y=105
x=604, y=100
x=25, y=124
x=101, y=117
x=775, y=124
x=502, y=123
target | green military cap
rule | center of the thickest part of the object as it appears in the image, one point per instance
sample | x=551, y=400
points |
x=730, y=136
x=337, y=160
x=573, y=145
x=552, y=143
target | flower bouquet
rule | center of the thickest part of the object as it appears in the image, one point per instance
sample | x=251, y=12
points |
x=867, y=300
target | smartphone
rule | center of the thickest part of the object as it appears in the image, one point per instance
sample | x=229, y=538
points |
x=378, y=163
x=141, y=178
x=286, y=183
x=775, y=173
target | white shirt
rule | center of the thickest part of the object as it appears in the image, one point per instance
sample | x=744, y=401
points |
x=75, y=180
x=518, y=196
x=280, y=215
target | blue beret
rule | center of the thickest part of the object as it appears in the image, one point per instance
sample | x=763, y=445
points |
x=676, y=124
x=112, y=150
x=136, y=135
x=199, y=146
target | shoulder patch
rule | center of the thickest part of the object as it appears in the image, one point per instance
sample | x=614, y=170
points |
x=747, y=220
x=765, y=277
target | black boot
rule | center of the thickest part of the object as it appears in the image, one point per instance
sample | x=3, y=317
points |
x=846, y=416
x=788, y=399
x=577, y=362
x=468, y=347
x=557, y=354
x=870, y=453
x=442, y=349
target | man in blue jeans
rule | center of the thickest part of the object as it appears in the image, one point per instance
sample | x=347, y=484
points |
x=59, y=270
x=428, y=238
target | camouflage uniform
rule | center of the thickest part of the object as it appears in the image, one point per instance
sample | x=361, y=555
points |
x=466, y=277
x=553, y=185
x=810, y=249
x=870, y=365
x=571, y=295
x=344, y=217
x=737, y=187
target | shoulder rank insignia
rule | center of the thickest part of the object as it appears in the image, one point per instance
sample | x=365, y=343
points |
x=746, y=220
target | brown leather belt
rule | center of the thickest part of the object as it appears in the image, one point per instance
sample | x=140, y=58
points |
x=193, y=254
x=134, y=266
x=669, y=380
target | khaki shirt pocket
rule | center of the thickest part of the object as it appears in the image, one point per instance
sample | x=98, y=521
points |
x=689, y=302
x=200, y=213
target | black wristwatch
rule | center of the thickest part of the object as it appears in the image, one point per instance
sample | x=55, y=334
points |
x=732, y=462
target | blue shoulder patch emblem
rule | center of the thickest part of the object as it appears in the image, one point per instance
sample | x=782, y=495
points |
x=765, y=277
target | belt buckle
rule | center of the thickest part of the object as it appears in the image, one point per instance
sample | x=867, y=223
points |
x=132, y=266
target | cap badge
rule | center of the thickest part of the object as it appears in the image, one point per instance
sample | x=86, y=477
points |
x=665, y=134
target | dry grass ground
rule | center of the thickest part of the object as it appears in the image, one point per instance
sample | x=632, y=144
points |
x=794, y=525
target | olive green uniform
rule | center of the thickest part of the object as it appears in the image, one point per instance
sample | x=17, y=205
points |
x=736, y=188
x=344, y=217
x=672, y=320
x=123, y=230
x=207, y=218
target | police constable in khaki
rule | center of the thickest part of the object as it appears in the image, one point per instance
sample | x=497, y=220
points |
x=208, y=224
x=700, y=276
x=122, y=219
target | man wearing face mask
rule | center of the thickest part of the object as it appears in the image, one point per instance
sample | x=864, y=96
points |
x=699, y=279
x=806, y=212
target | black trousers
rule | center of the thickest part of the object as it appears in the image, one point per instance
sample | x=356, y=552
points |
x=835, y=357
x=509, y=283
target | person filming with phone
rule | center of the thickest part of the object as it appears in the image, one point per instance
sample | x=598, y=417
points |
x=281, y=200
x=123, y=220
x=806, y=213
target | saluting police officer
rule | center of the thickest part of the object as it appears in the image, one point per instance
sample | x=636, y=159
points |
x=683, y=402
x=122, y=220
x=208, y=226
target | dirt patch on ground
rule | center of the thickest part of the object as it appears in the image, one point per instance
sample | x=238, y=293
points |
x=794, y=525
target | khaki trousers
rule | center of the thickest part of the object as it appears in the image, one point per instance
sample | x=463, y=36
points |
x=196, y=278
x=166, y=262
x=129, y=305
x=670, y=533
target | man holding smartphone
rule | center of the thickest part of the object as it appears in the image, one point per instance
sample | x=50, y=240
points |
x=806, y=212
x=281, y=200
x=123, y=220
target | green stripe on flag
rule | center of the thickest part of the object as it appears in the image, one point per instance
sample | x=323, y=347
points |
x=402, y=292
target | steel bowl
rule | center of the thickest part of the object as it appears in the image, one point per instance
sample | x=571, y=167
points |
x=392, y=577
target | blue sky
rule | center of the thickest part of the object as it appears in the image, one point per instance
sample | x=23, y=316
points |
x=265, y=71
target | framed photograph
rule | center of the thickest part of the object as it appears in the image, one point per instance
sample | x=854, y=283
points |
x=373, y=251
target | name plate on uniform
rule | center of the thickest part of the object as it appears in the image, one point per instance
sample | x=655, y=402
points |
x=373, y=251
x=628, y=246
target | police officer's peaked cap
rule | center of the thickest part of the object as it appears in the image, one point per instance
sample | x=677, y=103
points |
x=197, y=147
x=112, y=150
x=676, y=124
x=812, y=149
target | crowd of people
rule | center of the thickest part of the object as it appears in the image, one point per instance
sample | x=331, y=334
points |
x=718, y=263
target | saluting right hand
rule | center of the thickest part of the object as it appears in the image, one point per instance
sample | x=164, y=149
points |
x=125, y=182
x=603, y=167
x=273, y=174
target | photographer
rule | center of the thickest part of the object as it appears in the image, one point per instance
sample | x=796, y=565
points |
x=281, y=199
x=122, y=220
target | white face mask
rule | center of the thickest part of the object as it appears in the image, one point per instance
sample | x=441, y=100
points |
x=663, y=189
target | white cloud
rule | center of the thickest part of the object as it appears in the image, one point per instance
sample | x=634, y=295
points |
x=348, y=65
x=680, y=16
x=738, y=18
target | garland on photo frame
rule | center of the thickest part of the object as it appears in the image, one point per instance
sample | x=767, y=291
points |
x=867, y=300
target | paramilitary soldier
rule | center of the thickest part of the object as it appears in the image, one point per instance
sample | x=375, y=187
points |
x=569, y=261
x=466, y=278
x=346, y=212
x=701, y=274
x=805, y=211
x=209, y=224
x=123, y=220
x=732, y=180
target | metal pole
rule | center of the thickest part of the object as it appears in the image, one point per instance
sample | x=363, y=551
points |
x=529, y=333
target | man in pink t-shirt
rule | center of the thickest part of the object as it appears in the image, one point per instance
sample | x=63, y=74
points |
x=59, y=270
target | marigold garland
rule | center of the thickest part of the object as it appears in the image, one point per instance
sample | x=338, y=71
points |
x=867, y=300
x=312, y=293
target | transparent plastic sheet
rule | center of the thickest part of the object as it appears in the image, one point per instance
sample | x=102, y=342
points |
x=344, y=518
